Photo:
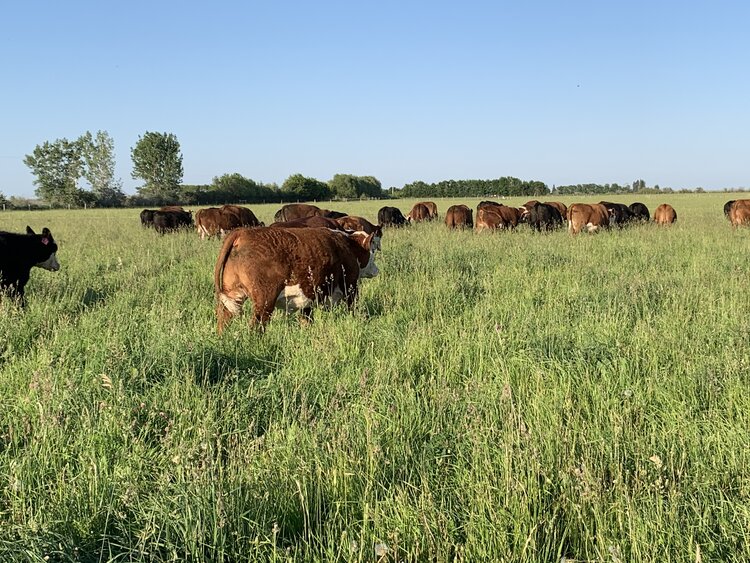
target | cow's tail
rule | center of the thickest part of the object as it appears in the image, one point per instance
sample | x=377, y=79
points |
x=221, y=261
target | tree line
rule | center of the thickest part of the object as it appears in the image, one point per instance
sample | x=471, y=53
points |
x=81, y=172
x=506, y=186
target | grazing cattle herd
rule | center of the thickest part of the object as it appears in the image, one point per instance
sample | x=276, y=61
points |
x=312, y=256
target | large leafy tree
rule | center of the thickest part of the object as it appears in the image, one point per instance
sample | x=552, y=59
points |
x=57, y=166
x=98, y=155
x=302, y=188
x=348, y=186
x=158, y=162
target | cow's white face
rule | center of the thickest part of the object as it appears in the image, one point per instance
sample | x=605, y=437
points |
x=371, y=270
x=50, y=263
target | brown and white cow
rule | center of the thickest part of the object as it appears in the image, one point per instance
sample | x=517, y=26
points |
x=355, y=223
x=290, y=269
x=459, y=217
x=665, y=214
x=418, y=213
x=739, y=212
x=431, y=207
x=591, y=216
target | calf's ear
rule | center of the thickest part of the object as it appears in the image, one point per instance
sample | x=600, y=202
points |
x=29, y=230
x=45, y=232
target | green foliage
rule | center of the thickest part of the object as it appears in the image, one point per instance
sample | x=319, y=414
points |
x=158, y=162
x=300, y=188
x=57, y=166
x=505, y=187
x=99, y=156
x=348, y=186
x=230, y=188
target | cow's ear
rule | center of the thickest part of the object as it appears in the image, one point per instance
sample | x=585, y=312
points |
x=29, y=230
x=368, y=241
x=45, y=232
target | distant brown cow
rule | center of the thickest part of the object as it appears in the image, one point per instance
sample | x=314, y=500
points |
x=293, y=211
x=245, y=217
x=291, y=269
x=418, y=213
x=459, y=217
x=739, y=212
x=510, y=216
x=432, y=208
x=217, y=221
x=665, y=214
x=591, y=216
x=487, y=218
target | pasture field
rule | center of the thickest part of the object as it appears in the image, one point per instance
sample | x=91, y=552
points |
x=494, y=397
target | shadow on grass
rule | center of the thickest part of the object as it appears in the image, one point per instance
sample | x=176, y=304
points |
x=228, y=361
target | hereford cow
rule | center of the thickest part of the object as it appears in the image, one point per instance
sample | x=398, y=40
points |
x=431, y=207
x=391, y=217
x=592, y=217
x=418, y=213
x=459, y=217
x=665, y=214
x=739, y=212
x=639, y=212
x=19, y=253
x=291, y=269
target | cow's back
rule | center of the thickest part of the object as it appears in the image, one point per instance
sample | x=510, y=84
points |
x=665, y=214
x=292, y=211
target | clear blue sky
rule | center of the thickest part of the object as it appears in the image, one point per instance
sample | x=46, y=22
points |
x=558, y=91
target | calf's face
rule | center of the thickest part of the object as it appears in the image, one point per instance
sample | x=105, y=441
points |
x=50, y=263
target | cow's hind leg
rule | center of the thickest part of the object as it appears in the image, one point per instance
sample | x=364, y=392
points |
x=263, y=306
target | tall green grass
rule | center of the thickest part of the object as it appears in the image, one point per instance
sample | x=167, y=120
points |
x=506, y=397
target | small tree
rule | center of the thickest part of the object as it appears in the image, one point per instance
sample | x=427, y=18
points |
x=158, y=162
x=98, y=154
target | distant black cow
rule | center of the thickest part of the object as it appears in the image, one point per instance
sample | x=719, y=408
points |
x=619, y=213
x=19, y=253
x=639, y=212
x=728, y=207
x=169, y=221
x=391, y=217
x=542, y=216
x=147, y=218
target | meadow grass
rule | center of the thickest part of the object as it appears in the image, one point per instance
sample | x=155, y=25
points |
x=494, y=397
